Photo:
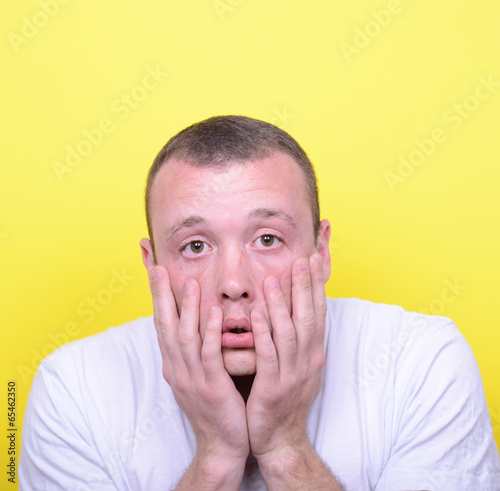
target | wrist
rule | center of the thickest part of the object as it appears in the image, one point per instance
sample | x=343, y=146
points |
x=296, y=467
x=217, y=471
x=284, y=460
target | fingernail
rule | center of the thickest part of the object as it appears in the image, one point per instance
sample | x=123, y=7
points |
x=154, y=274
x=273, y=284
x=304, y=266
x=212, y=312
x=188, y=287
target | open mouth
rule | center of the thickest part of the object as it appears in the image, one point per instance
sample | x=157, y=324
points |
x=237, y=338
x=237, y=330
x=237, y=333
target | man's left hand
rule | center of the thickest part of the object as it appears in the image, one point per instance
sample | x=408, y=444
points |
x=290, y=358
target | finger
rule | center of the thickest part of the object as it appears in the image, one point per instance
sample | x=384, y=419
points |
x=284, y=333
x=188, y=335
x=303, y=311
x=211, y=350
x=318, y=297
x=265, y=350
x=166, y=319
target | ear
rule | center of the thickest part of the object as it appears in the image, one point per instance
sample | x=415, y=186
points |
x=147, y=254
x=323, y=247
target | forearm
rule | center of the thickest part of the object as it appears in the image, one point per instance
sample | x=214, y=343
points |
x=297, y=468
x=210, y=474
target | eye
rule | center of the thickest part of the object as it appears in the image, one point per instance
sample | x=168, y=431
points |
x=268, y=240
x=195, y=247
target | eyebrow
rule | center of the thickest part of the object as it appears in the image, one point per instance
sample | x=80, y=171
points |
x=190, y=221
x=193, y=220
x=272, y=213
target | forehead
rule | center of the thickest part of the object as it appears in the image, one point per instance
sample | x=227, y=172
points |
x=231, y=192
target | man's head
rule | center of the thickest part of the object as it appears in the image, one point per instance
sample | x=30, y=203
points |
x=221, y=141
x=230, y=201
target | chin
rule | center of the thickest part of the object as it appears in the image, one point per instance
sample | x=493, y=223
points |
x=239, y=362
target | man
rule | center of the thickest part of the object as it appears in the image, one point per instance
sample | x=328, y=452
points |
x=260, y=381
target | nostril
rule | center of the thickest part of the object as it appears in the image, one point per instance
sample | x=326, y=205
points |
x=243, y=295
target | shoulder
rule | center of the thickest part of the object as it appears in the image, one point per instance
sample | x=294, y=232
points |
x=130, y=348
x=364, y=313
x=380, y=341
x=119, y=369
x=131, y=335
x=365, y=320
x=102, y=404
x=411, y=384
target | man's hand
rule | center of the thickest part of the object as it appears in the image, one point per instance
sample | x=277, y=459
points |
x=289, y=376
x=201, y=386
x=289, y=361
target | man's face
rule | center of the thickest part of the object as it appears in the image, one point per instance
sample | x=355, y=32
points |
x=229, y=230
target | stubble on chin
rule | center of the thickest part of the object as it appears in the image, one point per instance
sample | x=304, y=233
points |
x=239, y=362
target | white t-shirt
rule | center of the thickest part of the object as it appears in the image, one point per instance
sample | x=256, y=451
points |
x=402, y=407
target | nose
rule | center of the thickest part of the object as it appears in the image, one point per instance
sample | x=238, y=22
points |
x=234, y=276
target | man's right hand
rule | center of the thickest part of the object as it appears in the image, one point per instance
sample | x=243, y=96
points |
x=195, y=371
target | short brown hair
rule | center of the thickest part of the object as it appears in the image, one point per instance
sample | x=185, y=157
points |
x=220, y=140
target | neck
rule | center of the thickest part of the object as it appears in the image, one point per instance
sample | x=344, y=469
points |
x=244, y=385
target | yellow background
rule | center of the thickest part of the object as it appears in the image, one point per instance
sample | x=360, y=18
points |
x=357, y=102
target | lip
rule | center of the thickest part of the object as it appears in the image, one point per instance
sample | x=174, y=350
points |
x=233, y=323
x=235, y=340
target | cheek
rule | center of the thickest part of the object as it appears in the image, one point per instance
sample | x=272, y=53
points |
x=178, y=275
x=205, y=272
x=281, y=269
